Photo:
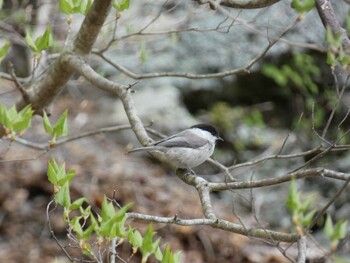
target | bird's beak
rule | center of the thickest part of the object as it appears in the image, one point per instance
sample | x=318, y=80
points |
x=220, y=139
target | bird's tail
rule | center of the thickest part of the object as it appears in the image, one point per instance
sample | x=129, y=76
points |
x=142, y=149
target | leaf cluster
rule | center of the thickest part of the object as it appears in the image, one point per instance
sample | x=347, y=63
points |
x=302, y=6
x=104, y=226
x=14, y=121
x=75, y=6
x=42, y=42
x=60, y=128
x=3, y=50
x=299, y=208
x=336, y=55
x=335, y=232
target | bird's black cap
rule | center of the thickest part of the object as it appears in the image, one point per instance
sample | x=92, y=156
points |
x=208, y=128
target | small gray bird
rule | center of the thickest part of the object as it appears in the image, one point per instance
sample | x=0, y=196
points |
x=188, y=148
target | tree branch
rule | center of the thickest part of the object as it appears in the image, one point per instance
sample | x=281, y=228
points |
x=329, y=19
x=244, y=4
x=279, y=180
x=219, y=224
x=301, y=249
x=51, y=83
x=248, y=4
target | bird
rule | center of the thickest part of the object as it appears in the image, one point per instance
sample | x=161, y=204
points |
x=188, y=148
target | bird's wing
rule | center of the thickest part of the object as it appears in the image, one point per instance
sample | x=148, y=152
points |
x=179, y=140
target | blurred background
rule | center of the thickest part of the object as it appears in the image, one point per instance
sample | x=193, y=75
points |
x=280, y=107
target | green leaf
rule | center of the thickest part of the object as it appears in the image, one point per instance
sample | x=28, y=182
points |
x=22, y=119
x=61, y=175
x=52, y=171
x=75, y=224
x=105, y=228
x=87, y=233
x=66, y=6
x=4, y=48
x=47, y=124
x=77, y=203
x=121, y=212
x=85, y=6
x=86, y=249
x=107, y=209
x=176, y=257
x=147, y=244
x=16, y=121
x=158, y=254
x=121, y=5
x=70, y=175
x=305, y=204
x=167, y=255
x=302, y=6
x=275, y=73
x=61, y=127
x=340, y=230
x=63, y=196
x=1, y=4
x=135, y=238
x=328, y=228
x=44, y=41
x=293, y=199
x=30, y=42
x=308, y=217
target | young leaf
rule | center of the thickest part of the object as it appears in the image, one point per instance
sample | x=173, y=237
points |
x=147, y=244
x=308, y=217
x=61, y=126
x=63, y=196
x=66, y=6
x=340, y=230
x=77, y=203
x=328, y=229
x=30, y=42
x=121, y=5
x=52, y=170
x=158, y=254
x=87, y=233
x=44, y=41
x=84, y=7
x=107, y=210
x=86, y=249
x=3, y=50
x=293, y=199
x=47, y=125
x=75, y=224
x=135, y=238
x=119, y=216
x=302, y=6
x=22, y=119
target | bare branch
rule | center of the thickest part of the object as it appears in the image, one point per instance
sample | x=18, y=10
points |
x=245, y=69
x=46, y=145
x=279, y=180
x=301, y=249
x=248, y=4
x=202, y=188
x=276, y=156
x=244, y=4
x=220, y=224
